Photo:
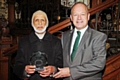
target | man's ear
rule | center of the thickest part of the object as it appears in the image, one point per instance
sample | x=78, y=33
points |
x=70, y=17
x=88, y=16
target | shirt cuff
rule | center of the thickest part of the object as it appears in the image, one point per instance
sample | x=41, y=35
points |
x=25, y=75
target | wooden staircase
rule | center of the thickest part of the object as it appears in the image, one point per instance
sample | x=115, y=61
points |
x=92, y=11
x=112, y=69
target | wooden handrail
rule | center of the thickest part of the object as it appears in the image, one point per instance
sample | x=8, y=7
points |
x=67, y=22
x=92, y=11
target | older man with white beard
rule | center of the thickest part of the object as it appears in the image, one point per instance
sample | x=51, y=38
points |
x=39, y=40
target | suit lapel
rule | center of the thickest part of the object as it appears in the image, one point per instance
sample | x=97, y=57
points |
x=79, y=53
x=68, y=46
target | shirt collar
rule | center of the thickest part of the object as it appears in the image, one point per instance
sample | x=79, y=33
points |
x=40, y=36
x=82, y=30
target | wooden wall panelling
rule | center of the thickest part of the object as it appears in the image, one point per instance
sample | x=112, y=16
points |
x=5, y=43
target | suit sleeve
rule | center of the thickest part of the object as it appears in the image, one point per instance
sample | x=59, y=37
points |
x=58, y=54
x=96, y=64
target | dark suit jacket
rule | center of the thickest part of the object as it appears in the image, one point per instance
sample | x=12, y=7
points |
x=90, y=57
x=31, y=43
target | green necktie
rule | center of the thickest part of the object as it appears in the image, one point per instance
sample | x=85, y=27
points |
x=75, y=45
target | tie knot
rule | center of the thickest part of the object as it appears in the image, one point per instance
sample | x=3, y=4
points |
x=78, y=33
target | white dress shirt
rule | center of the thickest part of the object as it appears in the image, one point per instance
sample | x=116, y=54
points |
x=75, y=35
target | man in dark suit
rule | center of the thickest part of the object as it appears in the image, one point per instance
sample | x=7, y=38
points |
x=90, y=57
x=39, y=40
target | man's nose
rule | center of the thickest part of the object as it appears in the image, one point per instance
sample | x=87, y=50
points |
x=79, y=17
x=40, y=22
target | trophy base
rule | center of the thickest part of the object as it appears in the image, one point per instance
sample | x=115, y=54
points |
x=39, y=69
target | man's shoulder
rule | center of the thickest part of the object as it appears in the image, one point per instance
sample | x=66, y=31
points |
x=27, y=39
x=24, y=40
x=68, y=32
x=97, y=32
x=53, y=37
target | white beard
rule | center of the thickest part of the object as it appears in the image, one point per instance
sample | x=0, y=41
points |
x=40, y=31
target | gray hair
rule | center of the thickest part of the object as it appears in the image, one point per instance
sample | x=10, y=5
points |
x=39, y=12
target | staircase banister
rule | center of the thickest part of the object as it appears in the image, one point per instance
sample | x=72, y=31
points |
x=59, y=26
x=67, y=22
x=102, y=6
x=92, y=11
